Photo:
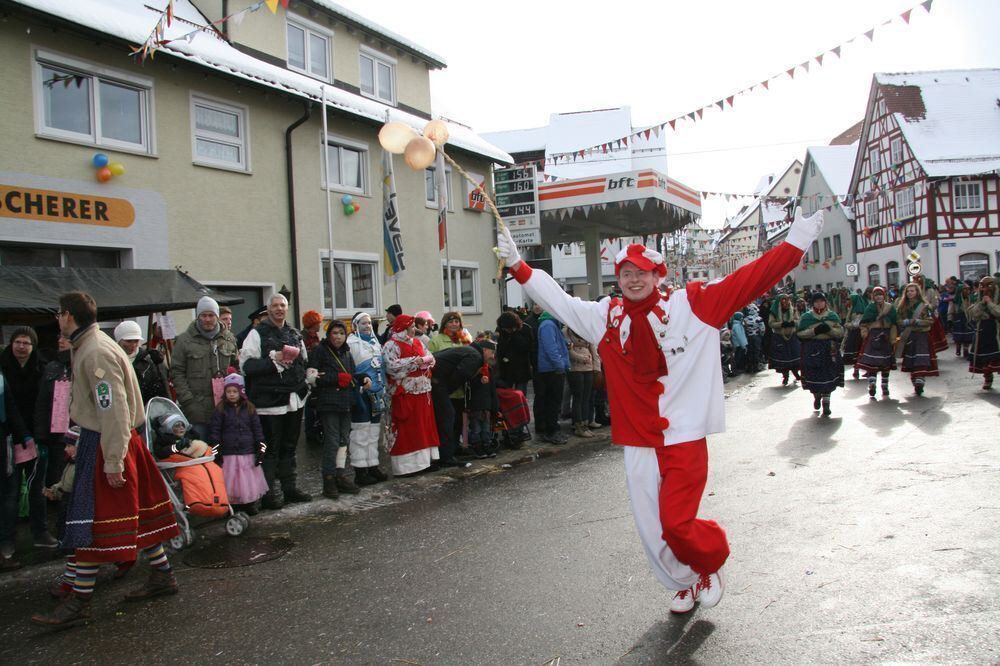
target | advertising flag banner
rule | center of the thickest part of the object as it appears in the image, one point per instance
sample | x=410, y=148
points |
x=391, y=234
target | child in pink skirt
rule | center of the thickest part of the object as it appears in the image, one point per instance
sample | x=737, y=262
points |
x=236, y=429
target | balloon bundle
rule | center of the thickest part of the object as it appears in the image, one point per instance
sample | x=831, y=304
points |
x=106, y=169
x=350, y=205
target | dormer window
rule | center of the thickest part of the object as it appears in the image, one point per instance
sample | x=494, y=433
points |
x=378, y=76
x=308, y=49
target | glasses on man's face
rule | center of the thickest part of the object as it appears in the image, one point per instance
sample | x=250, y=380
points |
x=60, y=313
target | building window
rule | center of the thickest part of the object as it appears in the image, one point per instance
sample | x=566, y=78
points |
x=837, y=248
x=871, y=212
x=874, y=164
x=308, y=49
x=827, y=250
x=464, y=284
x=348, y=165
x=880, y=107
x=815, y=250
x=905, y=206
x=77, y=101
x=219, y=134
x=896, y=151
x=59, y=257
x=812, y=168
x=973, y=266
x=968, y=196
x=430, y=188
x=892, y=274
x=873, y=276
x=378, y=76
x=355, y=285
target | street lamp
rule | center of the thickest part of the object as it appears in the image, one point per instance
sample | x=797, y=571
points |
x=911, y=241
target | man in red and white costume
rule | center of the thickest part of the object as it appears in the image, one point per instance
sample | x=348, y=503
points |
x=663, y=373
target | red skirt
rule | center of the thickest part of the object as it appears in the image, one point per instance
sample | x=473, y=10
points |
x=413, y=423
x=133, y=517
x=939, y=339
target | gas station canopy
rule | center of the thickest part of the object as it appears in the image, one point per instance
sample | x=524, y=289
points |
x=632, y=203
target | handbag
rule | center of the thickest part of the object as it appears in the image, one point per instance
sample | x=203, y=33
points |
x=25, y=453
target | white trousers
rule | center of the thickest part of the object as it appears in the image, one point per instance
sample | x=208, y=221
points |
x=364, y=444
x=642, y=476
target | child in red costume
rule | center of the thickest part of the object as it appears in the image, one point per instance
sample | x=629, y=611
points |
x=660, y=353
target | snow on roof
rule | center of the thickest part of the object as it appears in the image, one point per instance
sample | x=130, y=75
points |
x=950, y=119
x=764, y=184
x=132, y=21
x=519, y=141
x=835, y=163
x=373, y=27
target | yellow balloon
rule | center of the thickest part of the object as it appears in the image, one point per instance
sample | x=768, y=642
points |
x=419, y=153
x=117, y=168
x=395, y=136
x=437, y=132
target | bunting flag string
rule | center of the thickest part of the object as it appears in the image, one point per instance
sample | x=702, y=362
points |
x=156, y=38
x=721, y=103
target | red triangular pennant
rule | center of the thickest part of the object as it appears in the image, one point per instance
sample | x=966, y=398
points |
x=672, y=123
x=647, y=133
x=819, y=59
x=906, y=16
x=625, y=141
x=765, y=84
x=730, y=100
x=791, y=72
x=700, y=112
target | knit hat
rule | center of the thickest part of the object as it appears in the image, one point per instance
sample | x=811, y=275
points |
x=25, y=331
x=401, y=323
x=425, y=315
x=642, y=257
x=168, y=423
x=234, y=379
x=128, y=330
x=207, y=304
x=311, y=318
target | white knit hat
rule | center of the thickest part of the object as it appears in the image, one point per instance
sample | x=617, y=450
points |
x=207, y=304
x=128, y=330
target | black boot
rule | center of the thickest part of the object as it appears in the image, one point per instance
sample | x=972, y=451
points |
x=376, y=474
x=330, y=490
x=345, y=484
x=273, y=500
x=816, y=401
x=362, y=477
x=294, y=496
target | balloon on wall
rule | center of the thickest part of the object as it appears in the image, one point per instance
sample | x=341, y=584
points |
x=348, y=210
x=395, y=137
x=419, y=153
x=104, y=174
x=100, y=160
x=346, y=199
x=437, y=132
x=117, y=168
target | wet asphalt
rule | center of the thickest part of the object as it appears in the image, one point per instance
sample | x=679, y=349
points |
x=872, y=536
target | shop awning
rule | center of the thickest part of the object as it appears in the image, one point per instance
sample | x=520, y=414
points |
x=29, y=294
x=632, y=203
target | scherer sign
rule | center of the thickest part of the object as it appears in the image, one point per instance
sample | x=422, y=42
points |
x=53, y=206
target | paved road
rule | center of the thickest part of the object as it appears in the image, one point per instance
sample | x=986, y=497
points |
x=871, y=536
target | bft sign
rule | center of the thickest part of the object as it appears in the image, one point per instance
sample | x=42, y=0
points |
x=622, y=183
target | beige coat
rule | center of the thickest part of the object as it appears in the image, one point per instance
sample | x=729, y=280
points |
x=583, y=356
x=105, y=394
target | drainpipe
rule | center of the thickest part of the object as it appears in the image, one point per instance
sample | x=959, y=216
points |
x=225, y=13
x=291, y=209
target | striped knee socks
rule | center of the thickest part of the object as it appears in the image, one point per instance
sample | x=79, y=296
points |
x=85, y=578
x=157, y=557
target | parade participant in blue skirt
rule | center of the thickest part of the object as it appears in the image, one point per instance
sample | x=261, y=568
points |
x=852, y=325
x=916, y=316
x=878, y=333
x=369, y=402
x=820, y=331
x=983, y=316
x=785, y=347
x=962, y=333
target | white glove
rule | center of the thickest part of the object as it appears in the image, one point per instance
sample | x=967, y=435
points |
x=275, y=357
x=311, y=375
x=805, y=230
x=506, y=249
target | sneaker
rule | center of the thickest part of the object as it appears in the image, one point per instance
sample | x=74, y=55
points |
x=709, y=589
x=682, y=602
x=594, y=425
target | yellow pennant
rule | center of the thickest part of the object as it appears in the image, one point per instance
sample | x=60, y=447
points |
x=272, y=5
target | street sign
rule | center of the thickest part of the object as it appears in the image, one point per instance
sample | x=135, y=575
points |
x=851, y=270
x=913, y=256
x=516, y=192
x=913, y=268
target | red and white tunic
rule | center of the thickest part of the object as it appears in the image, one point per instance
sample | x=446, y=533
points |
x=411, y=434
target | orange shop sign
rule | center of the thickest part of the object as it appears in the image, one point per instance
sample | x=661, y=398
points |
x=49, y=206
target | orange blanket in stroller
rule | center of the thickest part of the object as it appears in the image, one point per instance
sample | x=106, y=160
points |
x=203, y=487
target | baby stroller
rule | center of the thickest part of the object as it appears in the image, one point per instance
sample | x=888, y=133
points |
x=513, y=419
x=194, y=485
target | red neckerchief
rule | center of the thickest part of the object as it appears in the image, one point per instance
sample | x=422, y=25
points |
x=644, y=348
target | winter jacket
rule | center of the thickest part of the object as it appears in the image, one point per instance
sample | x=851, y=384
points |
x=51, y=373
x=22, y=382
x=456, y=366
x=10, y=423
x=483, y=397
x=514, y=355
x=193, y=364
x=152, y=374
x=439, y=342
x=739, y=337
x=266, y=387
x=553, y=355
x=338, y=380
x=582, y=355
x=236, y=431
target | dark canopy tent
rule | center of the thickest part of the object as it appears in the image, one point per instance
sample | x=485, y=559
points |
x=30, y=295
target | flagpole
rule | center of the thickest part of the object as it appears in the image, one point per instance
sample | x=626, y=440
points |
x=329, y=214
x=442, y=187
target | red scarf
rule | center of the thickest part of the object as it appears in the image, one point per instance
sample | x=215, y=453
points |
x=644, y=347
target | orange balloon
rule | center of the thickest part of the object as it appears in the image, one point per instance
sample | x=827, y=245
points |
x=419, y=153
x=357, y=206
x=104, y=174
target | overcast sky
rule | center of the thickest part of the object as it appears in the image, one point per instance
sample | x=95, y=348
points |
x=511, y=64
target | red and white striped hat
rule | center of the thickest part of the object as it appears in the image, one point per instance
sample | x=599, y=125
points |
x=643, y=258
